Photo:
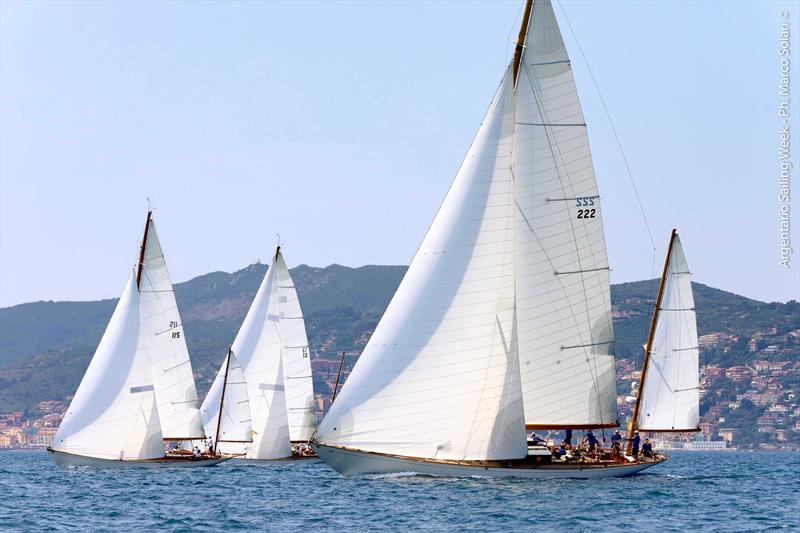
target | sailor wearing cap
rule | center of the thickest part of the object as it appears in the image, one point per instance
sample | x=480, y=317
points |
x=636, y=440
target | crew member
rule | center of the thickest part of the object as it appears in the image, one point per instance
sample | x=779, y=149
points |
x=636, y=440
x=647, y=448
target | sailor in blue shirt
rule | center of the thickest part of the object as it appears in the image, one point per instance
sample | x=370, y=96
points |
x=636, y=440
x=616, y=441
x=591, y=440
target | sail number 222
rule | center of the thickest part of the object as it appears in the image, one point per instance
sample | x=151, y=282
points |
x=585, y=202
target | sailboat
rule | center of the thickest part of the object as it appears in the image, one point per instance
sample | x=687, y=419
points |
x=138, y=391
x=233, y=416
x=502, y=322
x=668, y=395
x=272, y=348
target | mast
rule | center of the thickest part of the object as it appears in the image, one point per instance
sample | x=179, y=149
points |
x=338, y=374
x=140, y=266
x=647, y=348
x=523, y=31
x=222, y=398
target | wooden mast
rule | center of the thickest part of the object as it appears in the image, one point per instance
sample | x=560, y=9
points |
x=140, y=266
x=646, y=360
x=523, y=32
x=338, y=374
x=222, y=398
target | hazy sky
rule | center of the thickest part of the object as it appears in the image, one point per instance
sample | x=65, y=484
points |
x=341, y=125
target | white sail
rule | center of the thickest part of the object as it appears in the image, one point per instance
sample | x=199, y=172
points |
x=439, y=378
x=671, y=390
x=235, y=423
x=257, y=346
x=113, y=414
x=163, y=339
x=562, y=286
x=295, y=354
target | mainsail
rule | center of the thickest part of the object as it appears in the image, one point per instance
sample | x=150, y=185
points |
x=273, y=351
x=562, y=284
x=163, y=340
x=113, y=414
x=670, y=393
x=439, y=378
x=297, y=378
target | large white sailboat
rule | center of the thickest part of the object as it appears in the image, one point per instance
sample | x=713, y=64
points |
x=503, y=319
x=138, y=390
x=272, y=348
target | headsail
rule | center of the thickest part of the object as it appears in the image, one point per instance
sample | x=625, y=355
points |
x=562, y=271
x=671, y=389
x=439, y=378
x=113, y=414
x=163, y=340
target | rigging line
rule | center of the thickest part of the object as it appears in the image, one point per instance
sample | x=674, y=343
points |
x=555, y=150
x=510, y=37
x=614, y=130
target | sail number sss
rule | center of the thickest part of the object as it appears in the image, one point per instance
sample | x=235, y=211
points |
x=586, y=202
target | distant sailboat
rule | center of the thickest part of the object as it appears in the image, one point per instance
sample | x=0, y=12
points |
x=668, y=398
x=272, y=348
x=138, y=390
x=503, y=319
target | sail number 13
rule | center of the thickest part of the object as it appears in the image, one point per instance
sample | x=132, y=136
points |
x=585, y=202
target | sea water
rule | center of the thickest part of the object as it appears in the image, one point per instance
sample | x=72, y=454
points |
x=693, y=491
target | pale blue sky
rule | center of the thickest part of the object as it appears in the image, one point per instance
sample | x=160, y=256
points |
x=341, y=125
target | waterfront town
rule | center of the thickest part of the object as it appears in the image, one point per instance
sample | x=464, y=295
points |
x=751, y=406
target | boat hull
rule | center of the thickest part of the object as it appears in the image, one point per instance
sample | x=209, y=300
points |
x=350, y=462
x=70, y=459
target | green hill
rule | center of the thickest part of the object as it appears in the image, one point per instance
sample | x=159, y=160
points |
x=46, y=346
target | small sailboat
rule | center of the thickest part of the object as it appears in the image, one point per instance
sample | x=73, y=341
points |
x=272, y=348
x=668, y=395
x=234, y=425
x=138, y=391
x=503, y=319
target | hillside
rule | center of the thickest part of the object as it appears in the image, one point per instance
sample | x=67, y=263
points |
x=45, y=346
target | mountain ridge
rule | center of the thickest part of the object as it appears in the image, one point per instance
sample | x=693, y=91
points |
x=45, y=346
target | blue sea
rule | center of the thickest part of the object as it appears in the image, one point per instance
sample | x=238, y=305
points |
x=693, y=491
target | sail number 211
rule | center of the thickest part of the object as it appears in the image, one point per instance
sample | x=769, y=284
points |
x=585, y=202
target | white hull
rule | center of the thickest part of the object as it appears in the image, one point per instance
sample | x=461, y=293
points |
x=69, y=459
x=352, y=463
x=277, y=460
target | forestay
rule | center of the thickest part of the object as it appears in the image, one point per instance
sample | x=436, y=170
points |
x=562, y=272
x=439, y=378
x=671, y=389
x=163, y=340
x=113, y=414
